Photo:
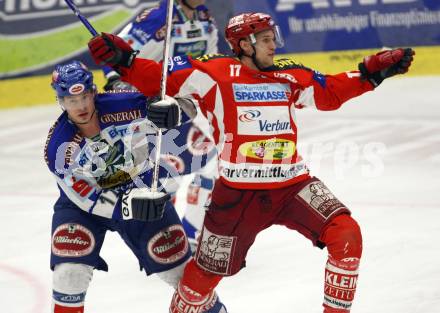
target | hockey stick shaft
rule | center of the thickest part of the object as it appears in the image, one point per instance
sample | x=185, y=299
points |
x=166, y=50
x=163, y=88
x=81, y=17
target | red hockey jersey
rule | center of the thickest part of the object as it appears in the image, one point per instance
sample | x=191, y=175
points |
x=251, y=113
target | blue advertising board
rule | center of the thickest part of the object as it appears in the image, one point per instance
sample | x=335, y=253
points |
x=327, y=25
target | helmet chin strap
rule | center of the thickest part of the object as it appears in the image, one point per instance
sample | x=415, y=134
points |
x=253, y=56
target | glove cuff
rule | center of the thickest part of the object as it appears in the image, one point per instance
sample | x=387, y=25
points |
x=127, y=58
x=111, y=82
x=375, y=78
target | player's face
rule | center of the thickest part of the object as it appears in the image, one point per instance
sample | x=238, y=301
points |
x=80, y=107
x=265, y=47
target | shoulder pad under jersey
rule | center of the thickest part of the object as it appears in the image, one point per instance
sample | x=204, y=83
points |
x=286, y=64
x=145, y=14
x=203, y=13
x=207, y=57
x=149, y=24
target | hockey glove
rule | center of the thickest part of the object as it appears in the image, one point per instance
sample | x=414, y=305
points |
x=375, y=68
x=165, y=113
x=111, y=50
x=114, y=82
x=144, y=205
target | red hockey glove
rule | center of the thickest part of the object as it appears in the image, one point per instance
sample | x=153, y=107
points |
x=385, y=64
x=111, y=50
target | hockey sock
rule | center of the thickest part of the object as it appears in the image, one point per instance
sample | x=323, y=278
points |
x=70, y=283
x=198, y=279
x=65, y=309
x=195, y=292
x=344, y=244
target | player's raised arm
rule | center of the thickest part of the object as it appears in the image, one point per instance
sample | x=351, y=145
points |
x=113, y=51
x=329, y=92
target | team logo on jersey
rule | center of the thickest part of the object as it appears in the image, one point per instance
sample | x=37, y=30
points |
x=169, y=245
x=76, y=89
x=197, y=143
x=264, y=120
x=272, y=149
x=215, y=252
x=249, y=115
x=72, y=240
x=320, y=198
x=261, y=92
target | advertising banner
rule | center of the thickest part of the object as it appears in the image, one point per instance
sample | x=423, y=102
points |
x=328, y=25
x=333, y=35
x=36, y=34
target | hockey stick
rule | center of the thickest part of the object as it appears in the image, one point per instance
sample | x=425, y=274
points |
x=163, y=82
x=163, y=88
x=81, y=17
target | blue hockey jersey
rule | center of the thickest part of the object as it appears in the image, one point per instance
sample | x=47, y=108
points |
x=194, y=37
x=127, y=140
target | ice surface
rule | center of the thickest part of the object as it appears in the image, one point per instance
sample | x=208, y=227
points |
x=395, y=196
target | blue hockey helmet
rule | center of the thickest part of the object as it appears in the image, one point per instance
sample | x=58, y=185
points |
x=71, y=79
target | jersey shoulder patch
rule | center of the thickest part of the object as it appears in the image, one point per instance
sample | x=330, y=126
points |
x=212, y=56
x=179, y=62
x=286, y=64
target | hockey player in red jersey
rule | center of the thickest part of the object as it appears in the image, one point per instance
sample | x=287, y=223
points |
x=250, y=102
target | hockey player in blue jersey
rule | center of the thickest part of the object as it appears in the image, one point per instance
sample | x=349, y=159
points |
x=194, y=33
x=98, y=150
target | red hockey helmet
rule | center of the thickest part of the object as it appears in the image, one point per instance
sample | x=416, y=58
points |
x=246, y=25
